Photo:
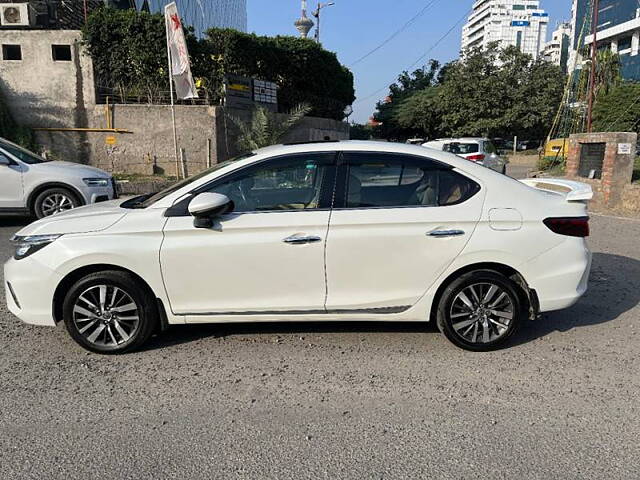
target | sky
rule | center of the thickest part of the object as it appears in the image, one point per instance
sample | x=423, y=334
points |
x=352, y=28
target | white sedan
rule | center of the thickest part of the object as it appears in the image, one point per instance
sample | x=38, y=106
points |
x=350, y=231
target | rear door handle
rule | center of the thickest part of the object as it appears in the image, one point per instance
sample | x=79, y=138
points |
x=301, y=240
x=446, y=233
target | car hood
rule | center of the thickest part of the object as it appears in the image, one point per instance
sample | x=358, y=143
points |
x=76, y=168
x=92, y=218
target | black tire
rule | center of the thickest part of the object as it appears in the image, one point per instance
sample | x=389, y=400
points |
x=45, y=203
x=115, y=329
x=466, y=331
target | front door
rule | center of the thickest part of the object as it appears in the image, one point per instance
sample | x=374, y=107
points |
x=402, y=221
x=11, y=187
x=265, y=257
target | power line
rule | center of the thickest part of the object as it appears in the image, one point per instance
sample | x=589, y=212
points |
x=396, y=33
x=438, y=42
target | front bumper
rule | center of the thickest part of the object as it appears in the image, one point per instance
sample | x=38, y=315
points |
x=29, y=288
x=99, y=194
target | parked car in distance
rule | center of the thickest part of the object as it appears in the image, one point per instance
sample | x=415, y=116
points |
x=349, y=231
x=30, y=184
x=478, y=150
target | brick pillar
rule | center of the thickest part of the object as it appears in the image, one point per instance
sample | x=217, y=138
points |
x=617, y=167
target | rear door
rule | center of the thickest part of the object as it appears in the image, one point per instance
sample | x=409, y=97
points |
x=11, y=186
x=398, y=222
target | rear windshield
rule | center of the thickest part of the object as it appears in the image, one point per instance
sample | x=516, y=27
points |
x=461, y=148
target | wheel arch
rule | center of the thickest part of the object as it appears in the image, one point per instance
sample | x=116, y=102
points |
x=528, y=297
x=75, y=275
x=31, y=198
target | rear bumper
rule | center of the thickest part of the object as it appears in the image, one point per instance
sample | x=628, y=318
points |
x=560, y=276
x=29, y=288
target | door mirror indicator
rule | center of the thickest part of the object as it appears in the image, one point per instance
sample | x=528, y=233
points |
x=207, y=206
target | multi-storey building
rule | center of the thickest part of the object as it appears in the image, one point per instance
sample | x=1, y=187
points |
x=521, y=23
x=556, y=50
x=618, y=29
x=205, y=14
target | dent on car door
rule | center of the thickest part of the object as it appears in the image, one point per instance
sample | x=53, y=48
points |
x=402, y=220
x=266, y=256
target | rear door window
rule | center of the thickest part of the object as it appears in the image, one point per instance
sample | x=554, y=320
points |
x=378, y=180
x=461, y=148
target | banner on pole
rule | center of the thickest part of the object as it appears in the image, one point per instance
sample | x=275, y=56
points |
x=177, y=45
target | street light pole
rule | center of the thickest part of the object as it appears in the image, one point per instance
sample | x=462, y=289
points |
x=317, y=15
x=594, y=60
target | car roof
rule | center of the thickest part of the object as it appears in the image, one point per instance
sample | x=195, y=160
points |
x=463, y=139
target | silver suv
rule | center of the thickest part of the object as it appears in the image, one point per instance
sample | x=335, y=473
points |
x=32, y=185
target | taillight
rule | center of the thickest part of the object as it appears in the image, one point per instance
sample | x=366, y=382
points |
x=475, y=158
x=569, y=226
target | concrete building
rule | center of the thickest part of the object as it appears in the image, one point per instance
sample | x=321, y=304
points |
x=618, y=29
x=556, y=50
x=521, y=23
x=205, y=14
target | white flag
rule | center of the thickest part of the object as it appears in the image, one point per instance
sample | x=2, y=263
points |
x=180, y=67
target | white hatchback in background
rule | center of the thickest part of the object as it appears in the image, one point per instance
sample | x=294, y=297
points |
x=350, y=231
x=32, y=185
x=478, y=150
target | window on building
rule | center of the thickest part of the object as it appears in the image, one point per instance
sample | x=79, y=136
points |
x=11, y=52
x=518, y=7
x=61, y=53
x=624, y=43
x=519, y=39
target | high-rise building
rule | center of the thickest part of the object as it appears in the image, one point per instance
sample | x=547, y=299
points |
x=205, y=14
x=618, y=29
x=556, y=50
x=521, y=23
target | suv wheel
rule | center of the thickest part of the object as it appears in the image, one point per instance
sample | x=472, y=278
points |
x=54, y=200
x=480, y=310
x=109, y=312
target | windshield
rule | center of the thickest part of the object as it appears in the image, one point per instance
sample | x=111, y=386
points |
x=177, y=186
x=21, y=153
x=461, y=148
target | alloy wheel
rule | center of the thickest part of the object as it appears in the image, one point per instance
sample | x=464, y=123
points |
x=482, y=313
x=56, y=203
x=106, y=316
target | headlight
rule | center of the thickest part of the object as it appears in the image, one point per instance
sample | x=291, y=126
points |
x=96, y=182
x=25, y=246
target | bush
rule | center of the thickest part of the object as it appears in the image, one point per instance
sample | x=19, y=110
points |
x=551, y=163
x=129, y=54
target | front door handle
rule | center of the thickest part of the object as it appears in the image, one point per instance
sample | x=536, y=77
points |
x=446, y=233
x=301, y=240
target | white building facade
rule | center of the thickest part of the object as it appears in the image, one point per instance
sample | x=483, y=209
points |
x=557, y=49
x=521, y=23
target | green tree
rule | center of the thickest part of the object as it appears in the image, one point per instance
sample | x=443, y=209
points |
x=618, y=110
x=407, y=84
x=421, y=113
x=500, y=93
x=359, y=131
x=608, y=73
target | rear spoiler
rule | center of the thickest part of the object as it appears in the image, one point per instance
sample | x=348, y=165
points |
x=572, y=190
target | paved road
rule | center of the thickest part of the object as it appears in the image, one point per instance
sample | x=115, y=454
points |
x=337, y=401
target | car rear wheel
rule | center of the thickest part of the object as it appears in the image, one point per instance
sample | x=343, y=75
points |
x=480, y=310
x=109, y=312
x=54, y=200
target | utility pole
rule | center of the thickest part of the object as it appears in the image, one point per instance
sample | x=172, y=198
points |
x=594, y=60
x=317, y=15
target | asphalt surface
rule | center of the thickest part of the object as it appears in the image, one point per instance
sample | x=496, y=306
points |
x=337, y=400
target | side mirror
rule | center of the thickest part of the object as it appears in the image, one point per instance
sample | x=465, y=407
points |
x=4, y=161
x=206, y=206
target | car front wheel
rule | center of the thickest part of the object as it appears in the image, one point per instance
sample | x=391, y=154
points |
x=109, y=312
x=54, y=200
x=480, y=310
